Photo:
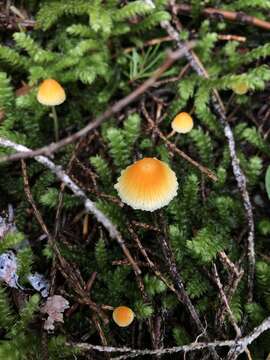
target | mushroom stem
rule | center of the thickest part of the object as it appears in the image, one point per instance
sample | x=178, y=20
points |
x=55, y=122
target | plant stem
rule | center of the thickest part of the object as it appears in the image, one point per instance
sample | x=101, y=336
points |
x=55, y=122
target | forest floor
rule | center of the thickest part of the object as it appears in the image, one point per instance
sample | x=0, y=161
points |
x=135, y=179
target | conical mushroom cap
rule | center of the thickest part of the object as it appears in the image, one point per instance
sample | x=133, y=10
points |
x=148, y=184
x=123, y=316
x=51, y=93
x=182, y=123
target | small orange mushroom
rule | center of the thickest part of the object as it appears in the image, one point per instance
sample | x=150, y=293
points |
x=240, y=88
x=51, y=93
x=123, y=316
x=182, y=123
x=148, y=184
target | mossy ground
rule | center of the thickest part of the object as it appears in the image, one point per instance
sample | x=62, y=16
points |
x=100, y=52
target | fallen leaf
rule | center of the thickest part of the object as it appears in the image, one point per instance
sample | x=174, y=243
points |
x=54, y=307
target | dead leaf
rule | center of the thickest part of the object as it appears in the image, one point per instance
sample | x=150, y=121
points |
x=54, y=307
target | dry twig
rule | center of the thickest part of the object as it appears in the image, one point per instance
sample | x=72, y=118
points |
x=239, y=17
x=238, y=346
x=226, y=303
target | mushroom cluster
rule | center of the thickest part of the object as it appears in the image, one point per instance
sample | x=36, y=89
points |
x=149, y=184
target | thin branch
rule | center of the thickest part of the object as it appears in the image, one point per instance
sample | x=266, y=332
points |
x=32, y=202
x=229, y=37
x=237, y=346
x=239, y=17
x=149, y=261
x=235, y=276
x=118, y=106
x=226, y=261
x=88, y=204
x=226, y=303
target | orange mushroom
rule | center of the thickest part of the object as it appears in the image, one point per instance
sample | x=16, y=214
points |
x=51, y=93
x=123, y=316
x=182, y=123
x=148, y=184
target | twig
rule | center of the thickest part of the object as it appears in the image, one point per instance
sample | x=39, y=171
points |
x=225, y=301
x=146, y=226
x=100, y=331
x=224, y=37
x=240, y=17
x=226, y=261
x=235, y=275
x=229, y=290
x=50, y=149
x=14, y=23
x=88, y=287
x=149, y=261
x=88, y=204
x=238, y=345
x=31, y=200
x=150, y=43
x=231, y=38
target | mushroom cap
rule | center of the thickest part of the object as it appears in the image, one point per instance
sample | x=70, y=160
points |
x=182, y=123
x=240, y=88
x=51, y=93
x=123, y=316
x=148, y=184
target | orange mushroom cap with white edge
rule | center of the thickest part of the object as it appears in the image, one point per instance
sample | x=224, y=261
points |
x=148, y=184
x=51, y=93
x=123, y=316
x=182, y=123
